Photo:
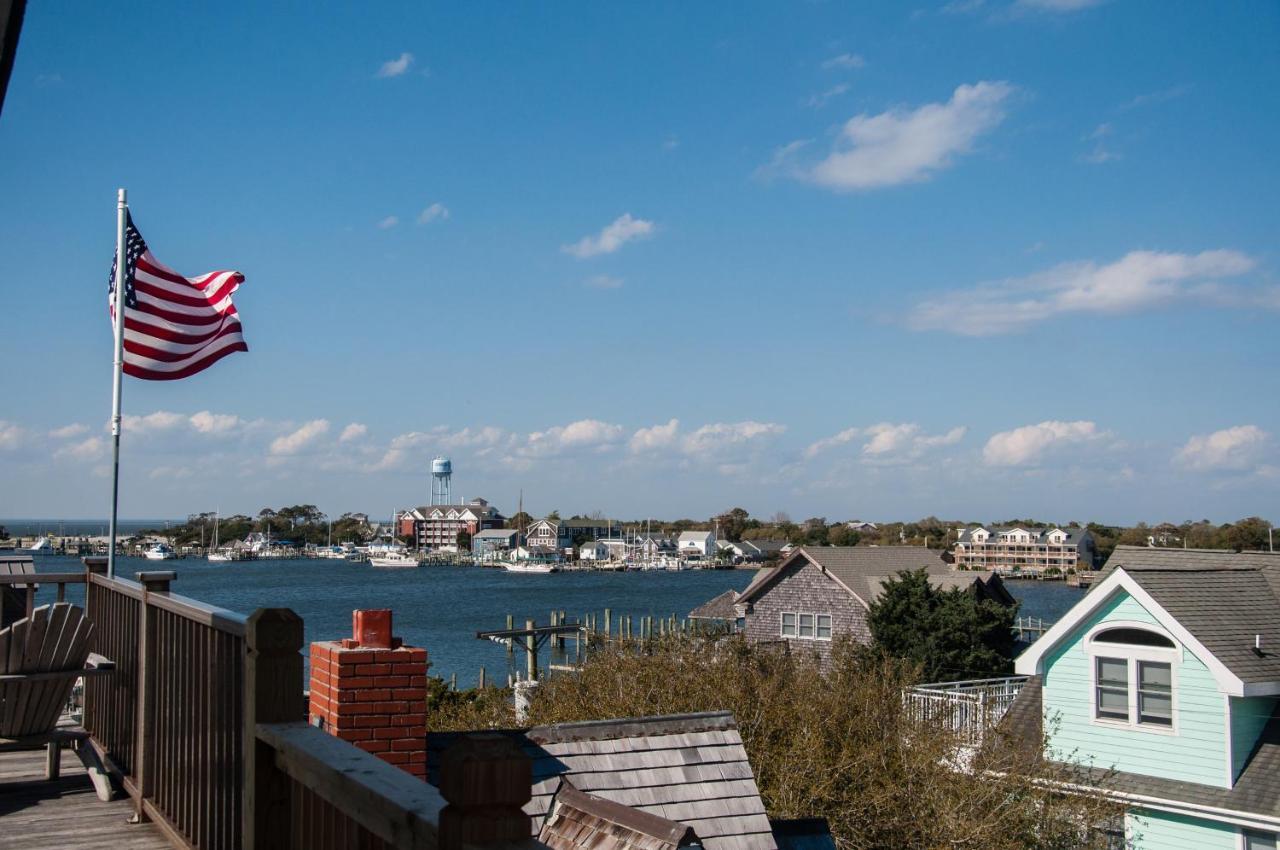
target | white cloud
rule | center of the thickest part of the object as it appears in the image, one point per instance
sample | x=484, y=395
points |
x=11, y=435
x=817, y=101
x=296, y=441
x=721, y=436
x=396, y=67
x=888, y=441
x=90, y=448
x=613, y=236
x=354, y=431
x=151, y=423
x=845, y=61
x=388, y=222
x=902, y=145
x=655, y=437
x=590, y=434
x=1231, y=448
x=435, y=212
x=1154, y=98
x=1100, y=152
x=66, y=432
x=603, y=281
x=1137, y=281
x=1058, y=5
x=1027, y=445
x=206, y=422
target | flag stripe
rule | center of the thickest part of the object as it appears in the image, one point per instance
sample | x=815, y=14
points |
x=175, y=326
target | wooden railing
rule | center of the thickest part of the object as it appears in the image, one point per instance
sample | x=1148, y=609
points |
x=204, y=722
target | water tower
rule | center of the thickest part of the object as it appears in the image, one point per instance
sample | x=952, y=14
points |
x=441, y=473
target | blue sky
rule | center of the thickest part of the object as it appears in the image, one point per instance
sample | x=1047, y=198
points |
x=974, y=259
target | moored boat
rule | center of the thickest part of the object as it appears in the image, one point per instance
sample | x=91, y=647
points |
x=160, y=552
x=394, y=559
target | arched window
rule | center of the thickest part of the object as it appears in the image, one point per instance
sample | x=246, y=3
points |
x=1133, y=637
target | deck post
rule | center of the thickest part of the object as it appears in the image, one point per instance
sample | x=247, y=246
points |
x=144, y=725
x=273, y=684
x=608, y=623
x=511, y=624
x=486, y=780
x=531, y=644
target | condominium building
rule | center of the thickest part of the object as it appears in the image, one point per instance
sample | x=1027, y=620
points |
x=435, y=526
x=1019, y=549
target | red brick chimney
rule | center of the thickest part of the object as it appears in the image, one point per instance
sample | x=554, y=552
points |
x=372, y=691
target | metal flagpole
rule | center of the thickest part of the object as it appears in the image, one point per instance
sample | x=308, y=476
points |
x=122, y=213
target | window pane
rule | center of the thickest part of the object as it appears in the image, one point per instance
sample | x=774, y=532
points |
x=789, y=625
x=1113, y=671
x=806, y=625
x=1153, y=676
x=824, y=625
x=1155, y=708
x=1259, y=840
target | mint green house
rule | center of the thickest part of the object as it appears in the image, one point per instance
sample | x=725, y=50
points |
x=1168, y=674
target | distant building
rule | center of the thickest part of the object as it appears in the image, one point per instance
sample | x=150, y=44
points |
x=493, y=542
x=655, y=545
x=434, y=526
x=700, y=543
x=1021, y=549
x=560, y=534
x=817, y=594
x=593, y=550
x=859, y=525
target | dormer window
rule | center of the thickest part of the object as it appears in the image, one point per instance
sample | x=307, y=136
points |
x=1133, y=677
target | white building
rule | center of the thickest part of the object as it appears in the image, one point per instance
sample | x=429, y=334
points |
x=593, y=550
x=1019, y=549
x=697, y=544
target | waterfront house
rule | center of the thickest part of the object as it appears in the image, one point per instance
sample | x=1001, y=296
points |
x=1024, y=550
x=494, y=542
x=819, y=593
x=1162, y=686
x=655, y=545
x=860, y=525
x=718, y=610
x=564, y=534
x=754, y=551
x=699, y=543
x=593, y=550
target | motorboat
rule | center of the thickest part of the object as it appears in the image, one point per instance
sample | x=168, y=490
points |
x=529, y=566
x=394, y=559
x=43, y=546
x=160, y=552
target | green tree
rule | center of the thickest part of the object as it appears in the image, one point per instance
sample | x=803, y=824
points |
x=948, y=633
x=733, y=523
x=842, y=535
x=463, y=540
x=520, y=520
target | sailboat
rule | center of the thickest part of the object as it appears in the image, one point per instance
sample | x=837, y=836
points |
x=526, y=564
x=216, y=554
x=393, y=554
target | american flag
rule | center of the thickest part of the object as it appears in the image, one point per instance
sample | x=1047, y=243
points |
x=174, y=326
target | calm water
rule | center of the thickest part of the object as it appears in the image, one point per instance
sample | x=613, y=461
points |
x=441, y=608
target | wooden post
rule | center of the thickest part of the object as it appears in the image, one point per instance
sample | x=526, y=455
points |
x=273, y=683
x=144, y=725
x=453, y=682
x=555, y=639
x=482, y=680
x=486, y=780
x=608, y=623
x=511, y=624
x=531, y=644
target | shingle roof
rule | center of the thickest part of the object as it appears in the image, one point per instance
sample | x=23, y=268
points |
x=581, y=821
x=717, y=608
x=865, y=569
x=1039, y=533
x=1223, y=598
x=500, y=533
x=689, y=768
x=1256, y=791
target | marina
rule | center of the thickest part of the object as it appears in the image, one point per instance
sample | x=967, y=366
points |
x=442, y=607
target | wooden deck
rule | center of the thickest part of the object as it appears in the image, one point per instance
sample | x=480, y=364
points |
x=65, y=813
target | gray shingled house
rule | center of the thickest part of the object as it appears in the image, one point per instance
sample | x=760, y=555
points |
x=819, y=593
x=689, y=769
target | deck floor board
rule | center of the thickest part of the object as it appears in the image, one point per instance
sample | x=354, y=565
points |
x=65, y=813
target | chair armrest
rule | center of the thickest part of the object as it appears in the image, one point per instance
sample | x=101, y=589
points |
x=98, y=664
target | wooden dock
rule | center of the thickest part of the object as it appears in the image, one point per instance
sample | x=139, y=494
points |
x=64, y=813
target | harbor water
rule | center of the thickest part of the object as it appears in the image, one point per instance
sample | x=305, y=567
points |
x=442, y=608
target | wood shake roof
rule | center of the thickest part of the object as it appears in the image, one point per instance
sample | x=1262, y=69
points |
x=581, y=821
x=689, y=768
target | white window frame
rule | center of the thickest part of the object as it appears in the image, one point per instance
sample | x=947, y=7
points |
x=795, y=634
x=1132, y=654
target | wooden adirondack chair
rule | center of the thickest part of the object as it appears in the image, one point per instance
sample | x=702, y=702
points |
x=41, y=657
x=14, y=598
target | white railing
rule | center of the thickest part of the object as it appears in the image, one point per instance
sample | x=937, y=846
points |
x=967, y=708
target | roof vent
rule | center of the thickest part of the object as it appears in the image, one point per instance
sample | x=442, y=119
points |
x=1257, y=644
